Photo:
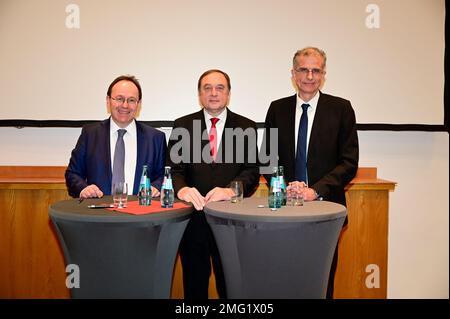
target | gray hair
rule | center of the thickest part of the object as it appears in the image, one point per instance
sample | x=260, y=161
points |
x=310, y=51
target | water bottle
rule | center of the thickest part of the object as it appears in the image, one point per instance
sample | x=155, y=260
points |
x=167, y=194
x=145, y=189
x=282, y=185
x=275, y=195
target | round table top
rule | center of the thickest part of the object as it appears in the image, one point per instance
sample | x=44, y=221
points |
x=75, y=210
x=250, y=210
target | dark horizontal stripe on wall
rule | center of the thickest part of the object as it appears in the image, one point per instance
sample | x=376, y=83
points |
x=402, y=127
x=360, y=127
x=67, y=123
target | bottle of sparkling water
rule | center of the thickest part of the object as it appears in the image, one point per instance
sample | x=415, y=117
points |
x=167, y=194
x=275, y=195
x=282, y=185
x=145, y=189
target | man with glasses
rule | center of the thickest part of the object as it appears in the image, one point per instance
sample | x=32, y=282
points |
x=317, y=137
x=91, y=168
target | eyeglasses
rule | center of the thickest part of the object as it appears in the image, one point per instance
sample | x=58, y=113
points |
x=132, y=101
x=219, y=88
x=306, y=71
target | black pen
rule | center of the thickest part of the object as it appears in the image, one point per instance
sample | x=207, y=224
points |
x=80, y=200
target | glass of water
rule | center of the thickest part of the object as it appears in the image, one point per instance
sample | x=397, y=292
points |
x=238, y=190
x=120, y=195
x=295, y=196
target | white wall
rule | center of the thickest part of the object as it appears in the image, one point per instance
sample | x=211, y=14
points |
x=419, y=209
x=418, y=260
x=168, y=44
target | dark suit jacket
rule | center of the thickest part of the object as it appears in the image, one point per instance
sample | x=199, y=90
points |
x=333, y=153
x=90, y=162
x=205, y=176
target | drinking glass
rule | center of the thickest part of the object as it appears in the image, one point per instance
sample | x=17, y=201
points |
x=120, y=195
x=295, y=196
x=238, y=190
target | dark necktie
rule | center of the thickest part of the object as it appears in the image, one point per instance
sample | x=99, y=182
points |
x=118, y=174
x=213, y=137
x=300, y=160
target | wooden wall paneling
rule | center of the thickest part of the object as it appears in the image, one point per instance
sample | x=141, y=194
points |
x=32, y=262
x=363, y=243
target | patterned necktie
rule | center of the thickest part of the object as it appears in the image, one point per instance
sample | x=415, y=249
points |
x=300, y=160
x=213, y=137
x=118, y=174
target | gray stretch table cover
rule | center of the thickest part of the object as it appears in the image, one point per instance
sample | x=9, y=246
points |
x=119, y=255
x=285, y=253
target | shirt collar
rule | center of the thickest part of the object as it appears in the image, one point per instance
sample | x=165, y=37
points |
x=313, y=102
x=222, y=116
x=130, y=128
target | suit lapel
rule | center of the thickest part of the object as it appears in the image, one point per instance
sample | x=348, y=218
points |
x=141, y=156
x=318, y=126
x=289, y=121
x=204, y=138
x=228, y=124
x=105, y=131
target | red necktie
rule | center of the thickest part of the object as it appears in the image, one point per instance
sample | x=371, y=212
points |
x=213, y=137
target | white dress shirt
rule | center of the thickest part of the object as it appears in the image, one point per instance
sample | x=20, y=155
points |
x=130, y=141
x=220, y=125
x=298, y=114
x=311, y=113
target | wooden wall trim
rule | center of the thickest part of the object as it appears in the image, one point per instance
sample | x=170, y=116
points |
x=41, y=185
x=366, y=176
x=366, y=172
x=32, y=174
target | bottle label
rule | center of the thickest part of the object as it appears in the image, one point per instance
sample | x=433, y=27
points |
x=167, y=196
x=282, y=184
x=276, y=187
x=167, y=183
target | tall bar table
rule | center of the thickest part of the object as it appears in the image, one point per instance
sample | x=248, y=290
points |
x=285, y=253
x=119, y=255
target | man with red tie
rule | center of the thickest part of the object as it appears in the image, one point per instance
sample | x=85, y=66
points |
x=202, y=169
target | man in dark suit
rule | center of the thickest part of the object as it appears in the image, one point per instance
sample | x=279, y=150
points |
x=89, y=173
x=202, y=170
x=329, y=135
